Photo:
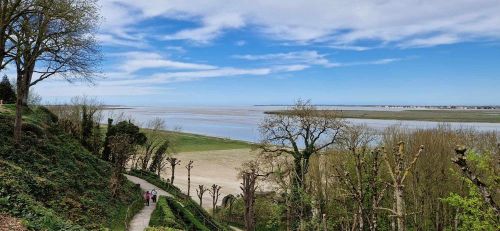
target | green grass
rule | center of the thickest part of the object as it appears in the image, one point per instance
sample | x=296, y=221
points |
x=52, y=182
x=187, y=142
x=484, y=116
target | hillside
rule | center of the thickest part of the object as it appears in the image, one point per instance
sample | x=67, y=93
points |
x=52, y=183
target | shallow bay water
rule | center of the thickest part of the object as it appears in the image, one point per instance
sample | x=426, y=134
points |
x=241, y=123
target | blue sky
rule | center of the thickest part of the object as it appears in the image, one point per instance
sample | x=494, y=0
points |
x=274, y=52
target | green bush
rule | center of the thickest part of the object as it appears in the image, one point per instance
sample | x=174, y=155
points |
x=160, y=229
x=162, y=216
x=191, y=222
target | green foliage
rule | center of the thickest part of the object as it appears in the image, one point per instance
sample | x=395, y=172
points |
x=473, y=213
x=160, y=229
x=186, y=201
x=163, y=216
x=53, y=183
x=268, y=214
x=7, y=93
x=189, y=219
x=122, y=128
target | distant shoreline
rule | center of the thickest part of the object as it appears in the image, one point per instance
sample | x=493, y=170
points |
x=456, y=115
x=451, y=107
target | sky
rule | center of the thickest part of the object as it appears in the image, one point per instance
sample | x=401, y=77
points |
x=202, y=53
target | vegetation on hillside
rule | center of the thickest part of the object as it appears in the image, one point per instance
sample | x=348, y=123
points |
x=53, y=183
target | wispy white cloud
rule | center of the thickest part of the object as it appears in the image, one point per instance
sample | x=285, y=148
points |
x=341, y=22
x=135, y=61
x=211, y=28
x=303, y=59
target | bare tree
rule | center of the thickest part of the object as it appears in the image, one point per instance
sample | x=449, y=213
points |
x=54, y=39
x=160, y=158
x=398, y=173
x=300, y=132
x=215, y=193
x=154, y=140
x=200, y=191
x=251, y=171
x=461, y=161
x=189, y=166
x=173, y=162
x=10, y=12
x=355, y=141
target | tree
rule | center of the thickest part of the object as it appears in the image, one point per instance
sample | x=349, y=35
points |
x=173, y=162
x=123, y=127
x=122, y=147
x=215, y=193
x=461, y=161
x=10, y=11
x=249, y=174
x=154, y=141
x=363, y=185
x=7, y=93
x=55, y=38
x=189, y=166
x=160, y=158
x=300, y=132
x=199, y=192
x=398, y=173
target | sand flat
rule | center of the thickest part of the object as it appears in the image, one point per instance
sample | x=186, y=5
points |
x=211, y=167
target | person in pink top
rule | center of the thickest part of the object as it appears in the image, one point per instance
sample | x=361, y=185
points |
x=147, y=196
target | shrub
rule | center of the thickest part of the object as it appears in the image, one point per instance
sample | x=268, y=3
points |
x=163, y=216
x=191, y=222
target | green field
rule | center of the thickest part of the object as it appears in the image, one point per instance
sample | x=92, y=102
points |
x=485, y=116
x=187, y=142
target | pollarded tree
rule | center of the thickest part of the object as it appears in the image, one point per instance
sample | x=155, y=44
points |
x=173, y=162
x=55, y=38
x=189, y=166
x=300, y=132
x=399, y=171
x=200, y=191
x=215, y=193
x=7, y=93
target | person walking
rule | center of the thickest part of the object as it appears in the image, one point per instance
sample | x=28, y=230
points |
x=154, y=193
x=147, y=196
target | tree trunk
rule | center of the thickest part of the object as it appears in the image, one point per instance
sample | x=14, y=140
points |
x=400, y=213
x=189, y=181
x=173, y=175
x=21, y=92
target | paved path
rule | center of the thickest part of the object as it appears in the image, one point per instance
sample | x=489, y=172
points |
x=141, y=219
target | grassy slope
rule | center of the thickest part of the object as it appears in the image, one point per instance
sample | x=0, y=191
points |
x=53, y=183
x=187, y=142
x=486, y=116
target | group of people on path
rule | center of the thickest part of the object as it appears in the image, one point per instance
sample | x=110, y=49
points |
x=150, y=196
